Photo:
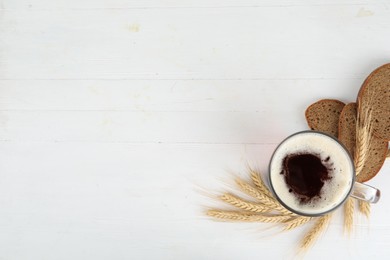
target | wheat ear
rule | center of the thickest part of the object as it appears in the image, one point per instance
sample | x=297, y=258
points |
x=243, y=204
x=239, y=216
x=259, y=183
x=363, y=137
x=315, y=231
x=363, y=133
x=296, y=222
x=363, y=141
x=364, y=207
x=267, y=201
x=349, y=208
x=362, y=146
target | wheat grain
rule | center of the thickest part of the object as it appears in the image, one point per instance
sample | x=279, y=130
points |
x=239, y=216
x=361, y=151
x=267, y=201
x=253, y=192
x=259, y=183
x=315, y=231
x=364, y=207
x=349, y=208
x=243, y=204
x=363, y=138
x=296, y=222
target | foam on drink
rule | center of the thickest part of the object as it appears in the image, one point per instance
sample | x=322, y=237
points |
x=334, y=157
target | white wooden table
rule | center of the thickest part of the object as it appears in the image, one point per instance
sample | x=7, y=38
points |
x=117, y=115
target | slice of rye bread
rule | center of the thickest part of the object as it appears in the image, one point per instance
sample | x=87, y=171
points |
x=324, y=115
x=347, y=127
x=376, y=154
x=375, y=94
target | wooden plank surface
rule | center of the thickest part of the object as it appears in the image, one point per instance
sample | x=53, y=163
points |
x=116, y=117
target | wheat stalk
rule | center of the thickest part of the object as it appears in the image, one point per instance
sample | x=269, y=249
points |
x=243, y=204
x=259, y=183
x=360, y=157
x=363, y=141
x=364, y=207
x=315, y=231
x=296, y=222
x=239, y=216
x=349, y=208
x=267, y=201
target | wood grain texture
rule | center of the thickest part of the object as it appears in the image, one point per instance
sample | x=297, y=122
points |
x=116, y=117
x=191, y=43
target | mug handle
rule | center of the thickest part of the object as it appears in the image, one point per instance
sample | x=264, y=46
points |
x=365, y=192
